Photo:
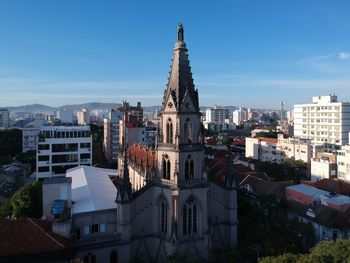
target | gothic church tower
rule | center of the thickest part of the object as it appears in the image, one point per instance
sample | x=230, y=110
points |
x=180, y=152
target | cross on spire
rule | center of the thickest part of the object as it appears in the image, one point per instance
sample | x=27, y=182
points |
x=180, y=33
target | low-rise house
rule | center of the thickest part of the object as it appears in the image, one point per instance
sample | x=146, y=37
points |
x=32, y=240
x=328, y=212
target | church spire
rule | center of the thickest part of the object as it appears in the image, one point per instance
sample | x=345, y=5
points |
x=180, y=83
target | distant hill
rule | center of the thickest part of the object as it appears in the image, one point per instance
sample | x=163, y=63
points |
x=39, y=108
x=91, y=106
x=35, y=108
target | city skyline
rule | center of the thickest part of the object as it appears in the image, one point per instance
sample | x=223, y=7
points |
x=243, y=54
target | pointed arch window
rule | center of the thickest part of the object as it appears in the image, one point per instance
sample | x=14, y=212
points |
x=166, y=167
x=90, y=258
x=164, y=216
x=188, y=131
x=169, y=131
x=189, y=224
x=113, y=258
x=189, y=168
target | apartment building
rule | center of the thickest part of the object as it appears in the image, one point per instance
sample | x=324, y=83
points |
x=111, y=135
x=29, y=138
x=4, y=118
x=238, y=116
x=217, y=114
x=83, y=117
x=323, y=166
x=60, y=148
x=278, y=149
x=325, y=120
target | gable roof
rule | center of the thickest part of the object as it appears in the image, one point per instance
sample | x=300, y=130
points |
x=29, y=236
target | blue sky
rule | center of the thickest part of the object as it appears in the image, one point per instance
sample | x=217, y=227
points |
x=244, y=53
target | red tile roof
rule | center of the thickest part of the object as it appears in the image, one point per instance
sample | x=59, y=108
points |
x=139, y=154
x=334, y=185
x=266, y=139
x=29, y=236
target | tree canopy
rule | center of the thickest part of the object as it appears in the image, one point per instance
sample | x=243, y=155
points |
x=26, y=202
x=323, y=252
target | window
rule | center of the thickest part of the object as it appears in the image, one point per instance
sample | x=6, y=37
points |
x=94, y=228
x=188, y=131
x=85, y=156
x=86, y=230
x=169, y=131
x=43, y=158
x=189, y=224
x=90, y=258
x=163, y=216
x=189, y=168
x=85, y=145
x=102, y=228
x=113, y=257
x=77, y=234
x=166, y=168
x=44, y=147
x=43, y=169
x=65, y=158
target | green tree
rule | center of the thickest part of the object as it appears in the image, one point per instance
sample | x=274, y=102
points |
x=11, y=144
x=28, y=157
x=285, y=258
x=323, y=252
x=6, y=208
x=27, y=201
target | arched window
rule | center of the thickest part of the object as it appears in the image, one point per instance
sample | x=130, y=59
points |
x=166, y=168
x=113, y=257
x=189, y=224
x=188, y=131
x=163, y=216
x=90, y=258
x=189, y=168
x=169, y=131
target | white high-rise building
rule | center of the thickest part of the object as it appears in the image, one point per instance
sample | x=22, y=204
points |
x=325, y=120
x=60, y=148
x=83, y=117
x=29, y=138
x=111, y=135
x=239, y=116
x=217, y=115
x=4, y=118
x=65, y=116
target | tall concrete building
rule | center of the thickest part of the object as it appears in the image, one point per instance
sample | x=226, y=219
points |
x=111, y=135
x=65, y=116
x=83, y=117
x=4, y=118
x=30, y=138
x=217, y=114
x=62, y=147
x=325, y=120
x=238, y=116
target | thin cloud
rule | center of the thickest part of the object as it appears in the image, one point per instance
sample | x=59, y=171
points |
x=343, y=55
x=313, y=59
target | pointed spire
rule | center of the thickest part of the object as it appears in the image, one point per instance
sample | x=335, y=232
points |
x=180, y=77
